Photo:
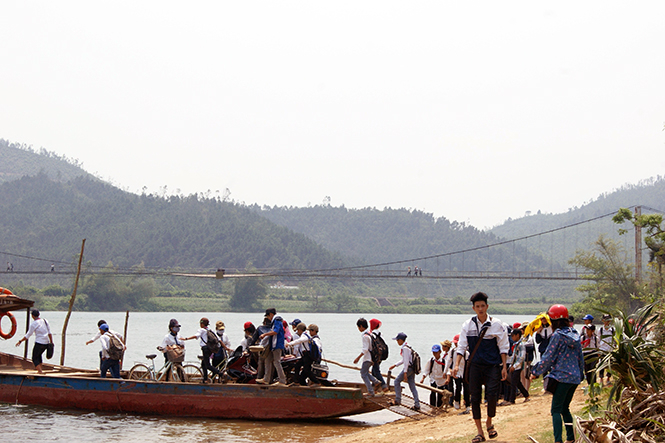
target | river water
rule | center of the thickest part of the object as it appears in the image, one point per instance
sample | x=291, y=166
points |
x=341, y=342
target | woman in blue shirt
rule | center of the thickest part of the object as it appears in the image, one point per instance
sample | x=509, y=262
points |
x=565, y=361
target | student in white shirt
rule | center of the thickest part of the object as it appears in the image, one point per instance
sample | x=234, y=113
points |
x=605, y=335
x=98, y=335
x=43, y=337
x=435, y=368
x=369, y=380
x=108, y=364
x=202, y=336
x=307, y=340
x=407, y=372
x=297, y=347
x=486, y=366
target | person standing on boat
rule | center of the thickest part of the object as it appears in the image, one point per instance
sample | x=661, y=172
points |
x=173, y=340
x=307, y=340
x=98, y=335
x=225, y=344
x=296, y=345
x=487, y=341
x=263, y=342
x=108, y=363
x=43, y=337
x=248, y=329
x=274, y=357
x=202, y=335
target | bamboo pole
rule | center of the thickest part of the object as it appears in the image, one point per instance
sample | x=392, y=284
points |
x=420, y=385
x=124, y=336
x=71, y=305
x=27, y=327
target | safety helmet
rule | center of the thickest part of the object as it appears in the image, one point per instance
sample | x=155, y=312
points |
x=556, y=312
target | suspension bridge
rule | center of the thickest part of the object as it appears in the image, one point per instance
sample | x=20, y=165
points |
x=543, y=255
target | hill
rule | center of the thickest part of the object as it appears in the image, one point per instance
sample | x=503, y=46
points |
x=19, y=160
x=45, y=218
x=648, y=193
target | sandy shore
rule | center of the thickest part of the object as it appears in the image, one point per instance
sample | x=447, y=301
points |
x=514, y=423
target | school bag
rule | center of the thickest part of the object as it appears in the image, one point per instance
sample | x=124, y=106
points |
x=314, y=351
x=116, y=349
x=379, y=350
x=212, y=343
x=415, y=365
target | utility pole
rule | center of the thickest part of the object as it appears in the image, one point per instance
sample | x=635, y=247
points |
x=638, y=246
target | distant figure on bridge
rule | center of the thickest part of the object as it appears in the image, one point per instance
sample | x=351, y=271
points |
x=408, y=273
x=52, y=267
x=415, y=271
x=420, y=272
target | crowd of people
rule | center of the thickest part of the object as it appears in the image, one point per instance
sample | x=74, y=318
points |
x=486, y=353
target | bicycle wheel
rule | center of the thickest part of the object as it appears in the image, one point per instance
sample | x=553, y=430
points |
x=193, y=373
x=139, y=372
x=167, y=373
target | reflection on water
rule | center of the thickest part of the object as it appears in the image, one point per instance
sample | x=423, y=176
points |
x=35, y=423
x=341, y=342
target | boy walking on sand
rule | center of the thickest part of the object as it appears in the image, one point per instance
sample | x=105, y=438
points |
x=487, y=342
x=407, y=372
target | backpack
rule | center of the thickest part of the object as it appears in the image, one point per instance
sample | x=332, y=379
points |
x=379, y=351
x=314, y=351
x=213, y=341
x=415, y=365
x=116, y=348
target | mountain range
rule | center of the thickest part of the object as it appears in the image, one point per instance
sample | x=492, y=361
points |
x=48, y=203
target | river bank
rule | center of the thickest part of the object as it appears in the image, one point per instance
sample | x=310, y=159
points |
x=514, y=424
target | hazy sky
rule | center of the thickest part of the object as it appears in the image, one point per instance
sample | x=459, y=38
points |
x=476, y=111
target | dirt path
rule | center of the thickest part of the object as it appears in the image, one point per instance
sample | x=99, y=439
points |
x=513, y=423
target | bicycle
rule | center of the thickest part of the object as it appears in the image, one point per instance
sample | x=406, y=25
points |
x=169, y=372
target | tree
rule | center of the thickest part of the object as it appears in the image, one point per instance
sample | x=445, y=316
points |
x=247, y=293
x=614, y=285
x=343, y=300
x=654, y=239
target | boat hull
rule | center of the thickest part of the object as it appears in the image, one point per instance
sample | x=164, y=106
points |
x=228, y=401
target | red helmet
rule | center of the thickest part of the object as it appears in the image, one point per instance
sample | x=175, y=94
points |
x=556, y=312
x=456, y=339
x=517, y=325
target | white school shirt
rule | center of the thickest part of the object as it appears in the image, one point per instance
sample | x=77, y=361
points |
x=224, y=338
x=453, y=359
x=367, y=346
x=406, y=357
x=169, y=340
x=304, y=342
x=99, y=334
x=496, y=330
x=105, y=341
x=297, y=347
x=436, y=369
x=40, y=328
x=203, y=332
x=605, y=337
